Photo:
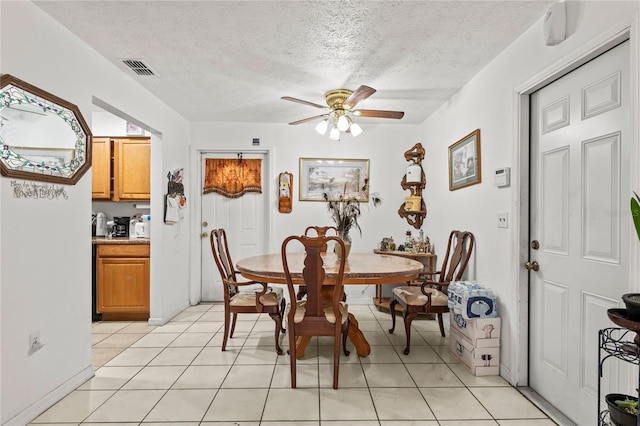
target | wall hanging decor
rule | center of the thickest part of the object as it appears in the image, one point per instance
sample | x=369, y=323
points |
x=464, y=161
x=232, y=178
x=174, y=201
x=414, y=208
x=38, y=190
x=42, y=137
x=319, y=176
x=285, y=192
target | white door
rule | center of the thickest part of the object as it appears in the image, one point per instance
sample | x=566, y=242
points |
x=242, y=218
x=580, y=150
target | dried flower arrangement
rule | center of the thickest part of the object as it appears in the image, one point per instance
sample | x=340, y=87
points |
x=345, y=209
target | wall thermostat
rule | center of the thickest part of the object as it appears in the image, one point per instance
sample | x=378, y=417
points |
x=502, y=177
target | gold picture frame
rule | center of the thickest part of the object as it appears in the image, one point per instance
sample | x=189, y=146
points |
x=464, y=162
x=337, y=177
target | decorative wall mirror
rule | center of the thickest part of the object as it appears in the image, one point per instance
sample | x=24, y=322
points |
x=42, y=137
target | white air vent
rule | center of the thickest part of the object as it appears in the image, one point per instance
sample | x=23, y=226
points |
x=138, y=66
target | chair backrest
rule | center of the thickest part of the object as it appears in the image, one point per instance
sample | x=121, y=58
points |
x=313, y=274
x=457, y=257
x=321, y=231
x=220, y=250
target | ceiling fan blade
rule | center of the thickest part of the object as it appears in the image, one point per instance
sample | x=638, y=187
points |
x=378, y=113
x=300, y=101
x=304, y=120
x=361, y=93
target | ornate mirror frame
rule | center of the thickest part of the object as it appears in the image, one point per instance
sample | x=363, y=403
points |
x=57, y=162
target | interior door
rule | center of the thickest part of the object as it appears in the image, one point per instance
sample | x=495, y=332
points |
x=243, y=219
x=580, y=150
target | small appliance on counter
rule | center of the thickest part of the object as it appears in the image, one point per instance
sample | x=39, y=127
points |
x=121, y=226
x=141, y=228
x=101, y=225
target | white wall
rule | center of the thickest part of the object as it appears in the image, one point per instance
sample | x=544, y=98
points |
x=383, y=144
x=489, y=102
x=45, y=270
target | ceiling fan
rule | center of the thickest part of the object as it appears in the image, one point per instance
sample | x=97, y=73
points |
x=340, y=108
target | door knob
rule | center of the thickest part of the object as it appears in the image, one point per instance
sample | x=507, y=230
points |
x=205, y=235
x=532, y=266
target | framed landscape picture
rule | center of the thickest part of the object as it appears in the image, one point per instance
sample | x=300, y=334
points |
x=464, y=161
x=336, y=177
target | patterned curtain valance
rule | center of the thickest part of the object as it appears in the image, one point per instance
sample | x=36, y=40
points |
x=232, y=178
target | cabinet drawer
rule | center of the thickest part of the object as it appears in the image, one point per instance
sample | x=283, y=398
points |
x=123, y=250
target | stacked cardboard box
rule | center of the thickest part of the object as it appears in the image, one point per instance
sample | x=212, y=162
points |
x=476, y=344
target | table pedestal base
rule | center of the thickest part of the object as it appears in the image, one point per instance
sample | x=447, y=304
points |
x=356, y=336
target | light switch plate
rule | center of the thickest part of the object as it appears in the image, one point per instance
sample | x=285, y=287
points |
x=503, y=220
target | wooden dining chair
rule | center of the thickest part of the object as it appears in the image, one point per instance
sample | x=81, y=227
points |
x=322, y=313
x=244, y=297
x=319, y=231
x=431, y=297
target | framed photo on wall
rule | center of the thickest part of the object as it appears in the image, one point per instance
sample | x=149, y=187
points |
x=336, y=177
x=464, y=161
x=134, y=130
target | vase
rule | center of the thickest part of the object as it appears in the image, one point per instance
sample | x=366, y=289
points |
x=346, y=239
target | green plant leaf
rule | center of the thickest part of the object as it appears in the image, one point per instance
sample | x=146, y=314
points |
x=635, y=213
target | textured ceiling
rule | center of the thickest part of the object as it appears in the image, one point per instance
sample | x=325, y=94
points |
x=233, y=60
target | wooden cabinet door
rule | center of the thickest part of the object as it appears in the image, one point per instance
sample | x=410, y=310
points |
x=124, y=285
x=101, y=169
x=123, y=282
x=132, y=166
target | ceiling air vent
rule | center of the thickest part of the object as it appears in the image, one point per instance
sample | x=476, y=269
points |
x=138, y=67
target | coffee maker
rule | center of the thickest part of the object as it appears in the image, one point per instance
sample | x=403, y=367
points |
x=121, y=226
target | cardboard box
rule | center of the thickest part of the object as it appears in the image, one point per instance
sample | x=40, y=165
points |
x=482, y=332
x=481, y=361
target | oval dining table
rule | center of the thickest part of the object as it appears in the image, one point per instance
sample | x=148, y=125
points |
x=360, y=268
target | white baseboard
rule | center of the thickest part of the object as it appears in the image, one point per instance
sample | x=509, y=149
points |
x=158, y=321
x=48, y=400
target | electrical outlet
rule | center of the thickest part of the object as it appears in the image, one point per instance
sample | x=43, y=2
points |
x=35, y=342
x=503, y=220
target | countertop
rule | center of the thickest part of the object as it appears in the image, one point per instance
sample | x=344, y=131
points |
x=119, y=240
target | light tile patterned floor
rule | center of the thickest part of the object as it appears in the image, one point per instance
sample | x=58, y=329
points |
x=177, y=375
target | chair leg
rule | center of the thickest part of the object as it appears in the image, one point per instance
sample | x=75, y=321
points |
x=336, y=356
x=392, y=309
x=227, y=318
x=441, y=323
x=233, y=325
x=345, y=333
x=278, y=320
x=292, y=355
x=407, y=327
x=283, y=315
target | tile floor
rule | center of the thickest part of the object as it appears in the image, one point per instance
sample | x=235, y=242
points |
x=177, y=375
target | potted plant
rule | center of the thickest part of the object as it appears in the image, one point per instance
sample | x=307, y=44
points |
x=623, y=409
x=632, y=300
x=635, y=212
x=345, y=210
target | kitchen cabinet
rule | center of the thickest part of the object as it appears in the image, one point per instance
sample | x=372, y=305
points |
x=101, y=169
x=121, y=169
x=123, y=281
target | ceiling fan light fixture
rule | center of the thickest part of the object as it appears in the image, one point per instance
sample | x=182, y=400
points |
x=355, y=129
x=334, y=135
x=343, y=123
x=322, y=126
